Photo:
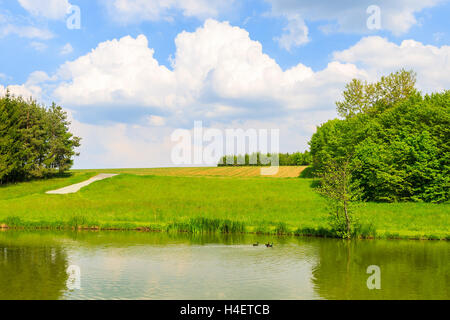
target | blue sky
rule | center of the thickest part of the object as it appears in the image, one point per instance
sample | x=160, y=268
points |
x=137, y=70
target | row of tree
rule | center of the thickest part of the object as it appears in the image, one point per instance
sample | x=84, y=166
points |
x=392, y=143
x=258, y=159
x=35, y=141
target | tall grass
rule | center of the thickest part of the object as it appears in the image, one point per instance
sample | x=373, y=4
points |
x=205, y=225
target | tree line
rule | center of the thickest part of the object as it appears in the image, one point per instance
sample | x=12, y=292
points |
x=35, y=141
x=257, y=159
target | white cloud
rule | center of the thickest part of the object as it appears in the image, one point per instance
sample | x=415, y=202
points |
x=117, y=72
x=18, y=26
x=23, y=90
x=25, y=27
x=132, y=11
x=122, y=145
x=221, y=76
x=437, y=36
x=379, y=57
x=217, y=67
x=156, y=121
x=50, y=9
x=30, y=32
x=38, y=77
x=33, y=87
x=296, y=33
x=351, y=16
x=38, y=46
x=67, y=49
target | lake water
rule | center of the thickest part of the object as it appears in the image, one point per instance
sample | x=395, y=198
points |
x=132, y=265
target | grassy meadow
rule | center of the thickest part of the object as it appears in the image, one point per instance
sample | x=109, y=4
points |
x=206, y=200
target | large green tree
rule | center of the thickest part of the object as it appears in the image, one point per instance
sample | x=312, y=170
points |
x=35, y=141
x=398, y=143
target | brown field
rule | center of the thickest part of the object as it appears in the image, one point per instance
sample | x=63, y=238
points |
x=284, y=172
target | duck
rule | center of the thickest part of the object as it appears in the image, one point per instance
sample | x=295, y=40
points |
x=256, y=244
x=269, y=245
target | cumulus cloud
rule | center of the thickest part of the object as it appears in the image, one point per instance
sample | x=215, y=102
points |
x=132, y=11
x=379, y=56
x=221, y=76
x=218, y=71
x=351, y=16
x=32, y=88
x=25, y=91
x=50, y=9
x=117, y=72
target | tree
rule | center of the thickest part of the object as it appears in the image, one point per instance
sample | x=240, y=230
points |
x=406, y=152
x=35, y=141
x=398, y=146
x=363, y=97
x=256, y=159
x=336, y=186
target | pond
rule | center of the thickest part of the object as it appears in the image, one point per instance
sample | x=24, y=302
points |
x=133, y=265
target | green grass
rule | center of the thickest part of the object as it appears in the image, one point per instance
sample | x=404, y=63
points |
x=19, y=190
x=206, y=204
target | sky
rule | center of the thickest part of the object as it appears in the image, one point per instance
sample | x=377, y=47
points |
x=131, y=72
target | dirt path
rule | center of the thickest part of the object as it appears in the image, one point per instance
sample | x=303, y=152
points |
x=76, y=187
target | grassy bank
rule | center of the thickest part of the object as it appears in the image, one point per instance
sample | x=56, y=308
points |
x=206, y=204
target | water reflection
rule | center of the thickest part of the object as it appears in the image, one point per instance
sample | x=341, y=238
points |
x=409, y=269
x=30, y=269
x=182, y=266
x=132, y=265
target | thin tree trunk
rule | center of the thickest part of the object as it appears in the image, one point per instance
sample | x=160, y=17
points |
x=347, y=218
x=345, y=201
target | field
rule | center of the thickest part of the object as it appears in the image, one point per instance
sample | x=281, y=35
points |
x=231, y=200
x=283, y=172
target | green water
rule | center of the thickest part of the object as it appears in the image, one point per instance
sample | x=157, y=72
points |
x=131, y=265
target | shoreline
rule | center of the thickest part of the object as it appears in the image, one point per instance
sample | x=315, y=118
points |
x=4, y=227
